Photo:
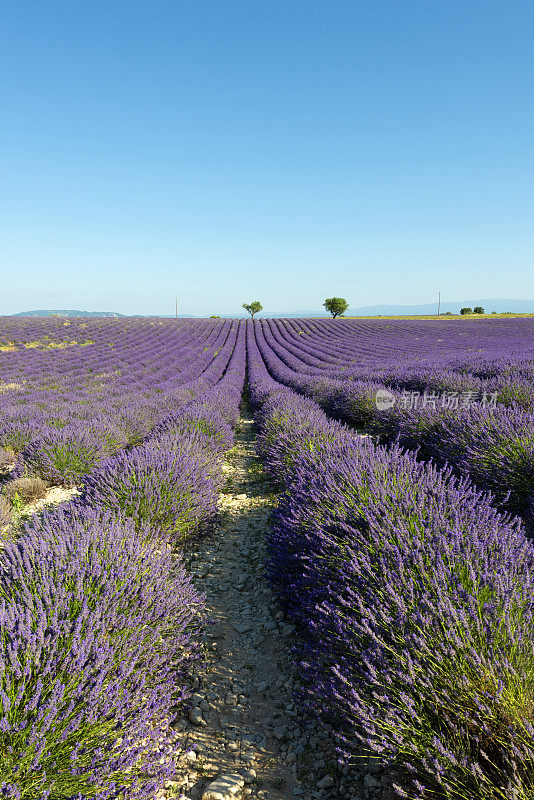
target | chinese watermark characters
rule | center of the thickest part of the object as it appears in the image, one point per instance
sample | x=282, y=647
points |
x=449, y=400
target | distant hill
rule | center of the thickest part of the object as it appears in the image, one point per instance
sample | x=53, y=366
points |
x=75, y=313
x=488, y=304
x=63, y=313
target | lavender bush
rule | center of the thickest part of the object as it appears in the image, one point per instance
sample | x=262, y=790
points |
x=194, y=419
x=420, y=594
x=98, y=624
x=496, y=449
x=166, y=484
x=63, y=456
x=15, y=435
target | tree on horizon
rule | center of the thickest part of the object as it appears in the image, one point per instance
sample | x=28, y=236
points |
x=253, y=308
x=336, y=306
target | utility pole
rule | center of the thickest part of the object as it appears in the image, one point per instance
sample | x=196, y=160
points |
x=439, y=302
x=176, y=306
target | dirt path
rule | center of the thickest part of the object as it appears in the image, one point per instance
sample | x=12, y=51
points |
x=245, y=721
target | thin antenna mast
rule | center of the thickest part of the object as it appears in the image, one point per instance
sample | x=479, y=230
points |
x=439, y=302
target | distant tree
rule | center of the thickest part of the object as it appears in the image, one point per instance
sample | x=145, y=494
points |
x=493, y=312
x=215, y=316
x=466, y=311
x=336, y=306
x=478, y=310
x=448, y=314
x=253, y=307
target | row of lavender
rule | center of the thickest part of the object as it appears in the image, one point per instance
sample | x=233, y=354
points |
x=414, y=597
x=100, y=623
x=490, y=438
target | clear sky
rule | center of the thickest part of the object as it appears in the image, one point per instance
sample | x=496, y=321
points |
x=280, y=150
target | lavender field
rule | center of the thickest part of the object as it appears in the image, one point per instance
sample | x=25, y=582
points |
x=396, y=464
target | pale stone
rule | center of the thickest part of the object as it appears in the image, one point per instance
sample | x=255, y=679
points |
x=227, y=787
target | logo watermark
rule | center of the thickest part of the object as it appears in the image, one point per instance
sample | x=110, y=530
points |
x=384, y=400
x=453, y=400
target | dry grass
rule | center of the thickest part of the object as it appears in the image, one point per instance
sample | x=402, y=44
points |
x=26, y=490
x=10, y=387
x=44, y=344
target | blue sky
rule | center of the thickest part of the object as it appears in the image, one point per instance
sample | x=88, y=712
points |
x=286, y=151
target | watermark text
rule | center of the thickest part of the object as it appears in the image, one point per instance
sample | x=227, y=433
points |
x=450, y=400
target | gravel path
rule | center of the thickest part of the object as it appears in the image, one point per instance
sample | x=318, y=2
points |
x=244, y=729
